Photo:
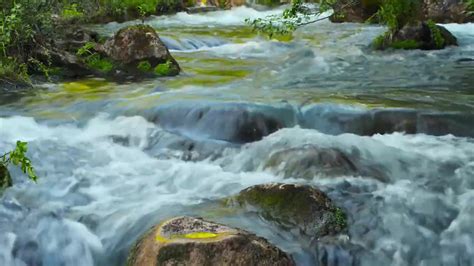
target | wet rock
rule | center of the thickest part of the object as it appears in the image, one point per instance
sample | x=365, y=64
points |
x=139, y=51
x=193, y=241
x=398, y=120
x=70, y=65
x=235, y=123
x=5, y=178
x=166, y=145
x=309, y=161
x=442, y=124
x=73, y=38
x=421, y=35
x=299, y=207
x=337, y=119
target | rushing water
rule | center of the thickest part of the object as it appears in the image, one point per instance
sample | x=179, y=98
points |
x=114, y=159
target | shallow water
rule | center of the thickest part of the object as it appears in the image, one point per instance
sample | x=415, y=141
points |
x=114, y=159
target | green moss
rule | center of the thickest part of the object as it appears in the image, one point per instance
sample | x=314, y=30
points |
x=340, y=218
x=144, y=66
x=101, y=64
x=436, y=34
x=378, y=42
x=163, y=69
x=405, y=44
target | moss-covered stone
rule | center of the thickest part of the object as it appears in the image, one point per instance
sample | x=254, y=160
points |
x=420, y=35
x=139, y=51
x=293, y=206
x=193, y=241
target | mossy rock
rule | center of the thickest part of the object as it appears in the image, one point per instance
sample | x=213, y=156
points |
x=293, y=206
x=138, y=51
x=5, y=178
x=421, y=35
x=194, y=241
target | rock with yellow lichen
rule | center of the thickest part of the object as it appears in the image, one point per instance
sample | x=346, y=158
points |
x=194, y=241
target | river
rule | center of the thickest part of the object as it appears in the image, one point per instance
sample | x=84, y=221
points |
x=115, y=159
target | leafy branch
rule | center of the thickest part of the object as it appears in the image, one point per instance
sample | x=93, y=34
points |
x=17, y=157
x=297, y=15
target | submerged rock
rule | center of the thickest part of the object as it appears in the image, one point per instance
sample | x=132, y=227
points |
x=309, y=161
x=394, y=120
x=193, y=241
x=138, y=50
x=235, y=123
x=439, y=124
x=338, y=119
x=421, y=35
x=300, y=207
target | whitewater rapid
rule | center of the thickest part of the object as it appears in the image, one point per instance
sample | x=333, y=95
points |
x=109, y=168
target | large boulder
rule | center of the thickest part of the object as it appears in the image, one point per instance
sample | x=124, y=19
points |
x=193, y=241
x=138, y=50
x=291, y=206
x=420, y=35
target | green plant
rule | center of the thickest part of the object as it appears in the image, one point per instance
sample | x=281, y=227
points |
x=397, y=13
x=93, y=60
x=470, y=7
x=20, y=32
x=297, y=15
x=11, y=70
x=72, y=11
x=17, y=157
x=163, y=69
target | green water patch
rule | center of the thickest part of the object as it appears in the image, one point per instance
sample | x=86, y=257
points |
x=202, y=71
x=48, y=103
x=233, y=34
